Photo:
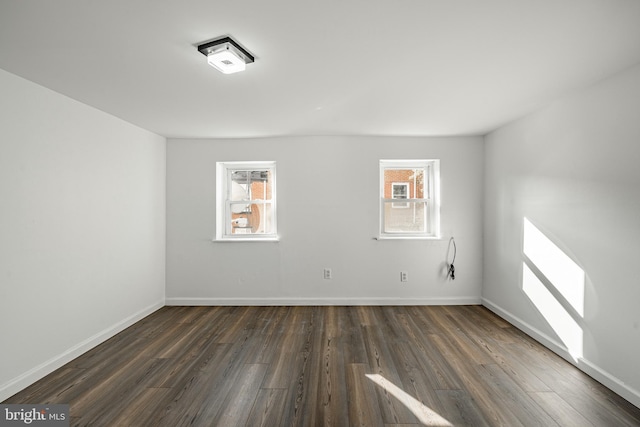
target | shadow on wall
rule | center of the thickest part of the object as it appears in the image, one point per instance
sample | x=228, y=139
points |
x=555, y=284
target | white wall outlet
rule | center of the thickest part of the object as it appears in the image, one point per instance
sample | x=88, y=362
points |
x=328, y=274
x=404, y=276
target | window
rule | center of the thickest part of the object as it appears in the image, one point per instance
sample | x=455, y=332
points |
x=246, y=201
x=417, y=183
x=399, y=190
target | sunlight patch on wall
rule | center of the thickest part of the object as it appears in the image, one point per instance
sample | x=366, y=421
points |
x=565, y=275
x=556, y=289
x=568, y=330
x=425, y=415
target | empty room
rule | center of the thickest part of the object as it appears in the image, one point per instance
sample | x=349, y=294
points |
x=372, y=213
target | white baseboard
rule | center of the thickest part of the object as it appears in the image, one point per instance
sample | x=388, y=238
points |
x=323, y=301
x=591, y=369
x=630, y=394
x=13, y=386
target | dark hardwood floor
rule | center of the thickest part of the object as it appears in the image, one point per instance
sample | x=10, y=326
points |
x=340, y=366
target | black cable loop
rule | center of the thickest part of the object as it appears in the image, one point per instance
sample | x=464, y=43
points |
x=452, y=270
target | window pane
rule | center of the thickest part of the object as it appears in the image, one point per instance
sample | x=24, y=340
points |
x=250, y=185
x=255, y=218
x=411, y=219
x=412, y=178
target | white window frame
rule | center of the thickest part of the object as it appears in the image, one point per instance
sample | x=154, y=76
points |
x=431, y=198
x=223, y=205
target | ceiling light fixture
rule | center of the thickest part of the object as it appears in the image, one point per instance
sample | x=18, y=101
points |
x=226, y=55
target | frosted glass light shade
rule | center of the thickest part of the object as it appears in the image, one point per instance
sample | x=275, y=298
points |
x=226, y=61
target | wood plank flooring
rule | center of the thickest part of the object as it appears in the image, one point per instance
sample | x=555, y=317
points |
x=327, y=366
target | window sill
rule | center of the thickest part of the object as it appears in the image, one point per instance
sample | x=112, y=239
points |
x=246, y=239
x=408, y=238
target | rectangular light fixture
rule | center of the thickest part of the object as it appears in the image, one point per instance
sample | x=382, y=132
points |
x=226, y=55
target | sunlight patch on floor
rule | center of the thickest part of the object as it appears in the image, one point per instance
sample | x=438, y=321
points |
x=425, y=415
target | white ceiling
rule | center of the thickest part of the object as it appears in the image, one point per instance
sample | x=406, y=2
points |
x=330, y=67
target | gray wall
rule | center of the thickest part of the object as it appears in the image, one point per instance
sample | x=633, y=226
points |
x=82, y=226
x=573, y=170
x=328, y=202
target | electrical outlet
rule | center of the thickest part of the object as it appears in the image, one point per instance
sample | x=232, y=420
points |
x=404, y=276
x=328, y=274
